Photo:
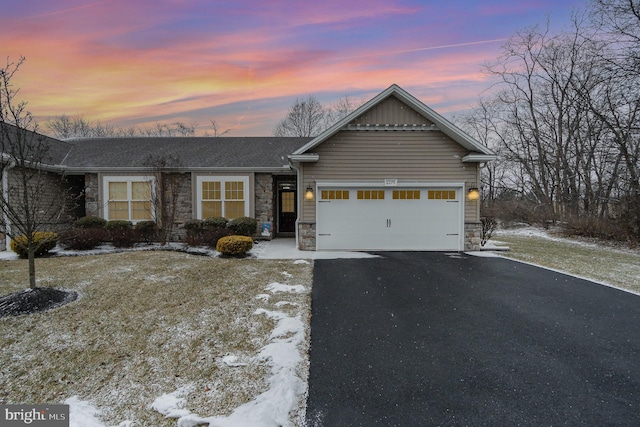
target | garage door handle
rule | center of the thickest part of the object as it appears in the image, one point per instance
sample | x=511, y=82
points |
x=388, y=223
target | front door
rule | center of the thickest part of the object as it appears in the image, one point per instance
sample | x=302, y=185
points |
x=287, y=209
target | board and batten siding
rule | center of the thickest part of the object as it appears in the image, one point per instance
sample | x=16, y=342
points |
x=424, y=155
x=391, y=111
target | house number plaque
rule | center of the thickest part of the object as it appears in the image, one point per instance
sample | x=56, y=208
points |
x=390, y=182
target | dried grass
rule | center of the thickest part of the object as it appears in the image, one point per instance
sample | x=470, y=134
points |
x=620, y=268
x=145, y=324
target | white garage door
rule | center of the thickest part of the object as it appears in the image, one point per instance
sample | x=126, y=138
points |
x=389, y=218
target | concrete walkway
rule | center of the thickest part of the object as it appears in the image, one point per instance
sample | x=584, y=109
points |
x=285, y=248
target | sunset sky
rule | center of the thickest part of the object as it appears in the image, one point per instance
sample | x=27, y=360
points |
x=243, y=62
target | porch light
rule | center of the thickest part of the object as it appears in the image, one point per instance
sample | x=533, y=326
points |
x=473, y=193
x=308, y=194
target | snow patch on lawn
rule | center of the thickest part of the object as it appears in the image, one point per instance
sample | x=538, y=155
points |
x=172, y=405
x=279, y=287
x=84, y=414
x=286, y=388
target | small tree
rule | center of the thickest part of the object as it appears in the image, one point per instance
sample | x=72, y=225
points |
x=165, y=168
x=33, y=199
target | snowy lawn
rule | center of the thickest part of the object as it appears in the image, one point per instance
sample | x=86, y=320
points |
x=154, y=335
x=588, y=259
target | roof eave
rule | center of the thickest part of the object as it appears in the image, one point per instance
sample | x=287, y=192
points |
x=213, y=169
x=304, y=158
x=479, y=158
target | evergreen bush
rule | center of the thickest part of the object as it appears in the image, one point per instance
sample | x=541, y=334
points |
x=234, y=245
x=90, y=222
x=45, y=241
x=215, y=222
x=243, y=226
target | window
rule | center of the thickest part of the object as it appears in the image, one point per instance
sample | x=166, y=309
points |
x=370, y=194
x=224, y=196
x=442, y=194
x=406, y=194
x=128, y=198
x=335, y=194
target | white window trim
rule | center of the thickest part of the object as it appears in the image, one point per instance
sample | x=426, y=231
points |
x=222, y=179
x=128, y=179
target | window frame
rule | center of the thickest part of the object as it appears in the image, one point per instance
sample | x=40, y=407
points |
x=223, y=179
x=128, y=180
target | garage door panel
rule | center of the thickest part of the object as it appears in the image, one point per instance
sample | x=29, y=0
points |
x=398, y=219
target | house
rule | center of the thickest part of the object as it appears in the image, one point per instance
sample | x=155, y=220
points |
x=392, y=175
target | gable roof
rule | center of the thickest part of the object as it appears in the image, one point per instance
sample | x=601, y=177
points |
x=477, y=151
x=195, y=153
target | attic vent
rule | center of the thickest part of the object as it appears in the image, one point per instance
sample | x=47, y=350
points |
x=392, y=127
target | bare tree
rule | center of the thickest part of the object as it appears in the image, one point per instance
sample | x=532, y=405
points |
x=33, y=199
x=215, y=128
x=306, y=118
x=165, y=169
x=65, y=127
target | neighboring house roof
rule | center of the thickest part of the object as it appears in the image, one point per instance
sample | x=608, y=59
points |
x=194, y=153
x=477, y=151
x=56, y=150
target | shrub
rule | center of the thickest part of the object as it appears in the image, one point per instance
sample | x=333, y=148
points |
x=243, y=226
x=208, y=237
x=193, y=227
x=234, y=245
x=215, y=222
x=90, y=222
x=83, y=239
x=488, y=227
x=147, y=230
x=45, y=241
x=122, y=234
x=118, y=225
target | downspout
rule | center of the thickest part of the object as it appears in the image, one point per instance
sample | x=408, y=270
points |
x=299, y=199
x=5, y=197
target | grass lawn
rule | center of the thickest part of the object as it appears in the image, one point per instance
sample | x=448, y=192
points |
x=146, y=324
x=598, y=262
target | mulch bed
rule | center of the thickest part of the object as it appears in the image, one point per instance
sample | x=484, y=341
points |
x=35, y=300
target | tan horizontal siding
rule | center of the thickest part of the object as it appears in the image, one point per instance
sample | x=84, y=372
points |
x=402, y=155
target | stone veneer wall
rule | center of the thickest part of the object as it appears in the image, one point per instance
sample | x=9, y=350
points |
x=472, y=234
x=91, y=199
x=184, y=206
x=307, y=236
x=264, y=200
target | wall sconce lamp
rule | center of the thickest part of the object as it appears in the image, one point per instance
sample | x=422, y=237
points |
x=473, y=193
x=308, y=193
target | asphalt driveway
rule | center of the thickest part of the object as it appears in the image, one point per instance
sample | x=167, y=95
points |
x=418, y=338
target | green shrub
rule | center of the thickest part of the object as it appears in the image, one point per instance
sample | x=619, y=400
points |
x=45, y=241
x=147, y=230
x=83, y=239
x=122, y=234
x=215, y=222
x=243, y=226
x=208, y=237
x=118, y=225
x=234, y=245
x=193, y=227
x=90, y=222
